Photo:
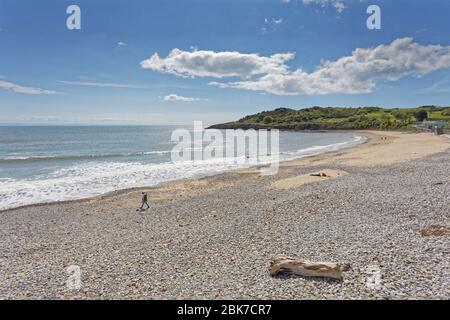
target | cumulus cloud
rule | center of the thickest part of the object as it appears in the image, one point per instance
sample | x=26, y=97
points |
x=203, y=63
x=353, y=74
x=175, y=97
x=357, y=73
x=24, y=90
x=339, y=5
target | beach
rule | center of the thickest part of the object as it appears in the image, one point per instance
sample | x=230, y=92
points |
x=384, y=209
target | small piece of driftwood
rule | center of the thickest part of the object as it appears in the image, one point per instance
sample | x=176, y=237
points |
x=284, y=264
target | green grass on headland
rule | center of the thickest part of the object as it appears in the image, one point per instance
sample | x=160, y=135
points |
x=318, y=118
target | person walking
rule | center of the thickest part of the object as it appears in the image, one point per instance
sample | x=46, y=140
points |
x=144, y=202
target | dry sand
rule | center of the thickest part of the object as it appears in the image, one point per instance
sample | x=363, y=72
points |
x=384, y=148
x=297, y=181
x=386, y=207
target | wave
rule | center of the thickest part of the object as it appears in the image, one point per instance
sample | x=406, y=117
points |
x=94, y=178
x=315, y=150
x=86, y=156
x=80, y=157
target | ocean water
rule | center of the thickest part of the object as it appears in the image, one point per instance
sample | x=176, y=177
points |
x=44, y=164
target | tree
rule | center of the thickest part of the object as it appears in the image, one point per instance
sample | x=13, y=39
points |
x=268, y=120
x=421, y=115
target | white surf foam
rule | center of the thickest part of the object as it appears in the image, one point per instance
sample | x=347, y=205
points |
x=95, y=178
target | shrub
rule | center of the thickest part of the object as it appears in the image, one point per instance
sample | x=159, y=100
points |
x=421, y=115
x=268, y=120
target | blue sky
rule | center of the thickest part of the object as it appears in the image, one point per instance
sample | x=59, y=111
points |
x=234, y=57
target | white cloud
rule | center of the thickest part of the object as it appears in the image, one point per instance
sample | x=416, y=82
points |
x=175, y=97
x=24, y=90
x=277, y=21
x=121, y=44
x=339, y=5
x=217, y=64
x=357, y=73
x=353, y=74
x=271, y=24
x=102, y=84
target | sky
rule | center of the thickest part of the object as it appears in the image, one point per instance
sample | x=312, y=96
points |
x=176, y=61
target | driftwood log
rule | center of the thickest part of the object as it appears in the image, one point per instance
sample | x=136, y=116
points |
x=284, y=264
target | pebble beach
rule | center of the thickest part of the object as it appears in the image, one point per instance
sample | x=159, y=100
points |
x=385, y=210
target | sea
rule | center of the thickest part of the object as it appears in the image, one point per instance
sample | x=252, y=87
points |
x=40, y=164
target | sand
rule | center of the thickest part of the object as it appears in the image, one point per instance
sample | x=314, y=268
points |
x=384, y=148
x=297, y=181
x=385, y=208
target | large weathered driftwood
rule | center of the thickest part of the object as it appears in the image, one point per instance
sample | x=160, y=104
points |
x=283, y=264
